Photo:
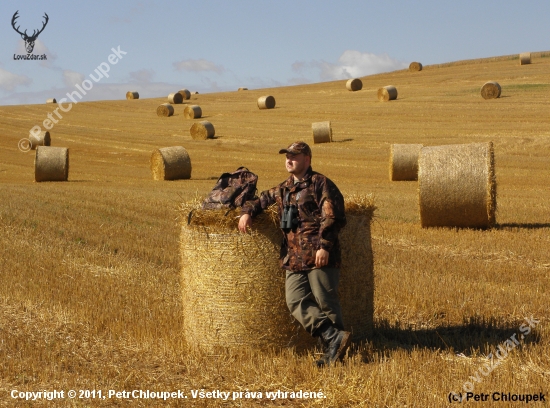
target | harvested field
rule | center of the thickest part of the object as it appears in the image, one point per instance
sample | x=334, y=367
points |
x=91, y=274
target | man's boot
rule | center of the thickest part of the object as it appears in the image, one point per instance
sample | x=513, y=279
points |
x=337, y=342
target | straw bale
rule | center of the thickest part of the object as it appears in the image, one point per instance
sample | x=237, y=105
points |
x=242, y=89
x=51, y=163
x=404, y=161
x=132, y=95
x=415, y=67
x=387, y=93
x=524, y=58
x=51, y=100
x=233, y=286
x=354, y=84
x=42, y=139
x=175, y=98
x=165, y=110
x=322, y=132
x=490, y=90
x=457, y=185
x=171, y=163
x=202, y=130
x=195, y=93
x=185, y=93
x=192, y=112
x=266, y=102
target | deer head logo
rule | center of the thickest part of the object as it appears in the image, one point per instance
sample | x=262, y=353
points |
x=29, y=39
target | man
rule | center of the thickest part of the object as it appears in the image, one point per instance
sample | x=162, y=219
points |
x=311, y=209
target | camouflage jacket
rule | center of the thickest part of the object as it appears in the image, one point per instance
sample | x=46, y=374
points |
x=320, y=217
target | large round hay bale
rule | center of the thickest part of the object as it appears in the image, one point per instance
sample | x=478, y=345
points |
x=51, y=163
x=404, y=161
x=387, y=93
x=132, y=95
x=202, y=130
x=457, y=185
x=490, y=90
x=41, y=139
x=242, y=89
x=170, y=163
x=165, y=110
x=234, y=289
x=524, y=58
x=192, y=112
x=266, y=102
x=175, y=98
x=322, y=132
x=51, y=100
x=354, y=84
x=185, y=93
x=415, y=66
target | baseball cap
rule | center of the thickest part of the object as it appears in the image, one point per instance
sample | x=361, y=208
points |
x=297, y=148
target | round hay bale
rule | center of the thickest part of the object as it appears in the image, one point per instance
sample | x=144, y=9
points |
x=42, y=139
x=387, y=93
x=266, y=102
x=354, y=84
x=185, y=94
x=322, y=132
x=242, y=89
x=51, y=100
x=192, y=112
x=51, y=163
x=415, y=67
x=524, y=58
x=170, y=163
x=132, y=95
x=457, y=185
x=165, y=110
x=175, y=98
x=490, y=90
x=195, y=93
x=404, y=162
x=234, y=289
x=202, y=130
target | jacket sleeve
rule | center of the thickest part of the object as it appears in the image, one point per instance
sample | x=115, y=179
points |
x=333, y=217
x=256, y=206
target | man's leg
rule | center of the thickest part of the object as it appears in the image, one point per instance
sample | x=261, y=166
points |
x=324, y=286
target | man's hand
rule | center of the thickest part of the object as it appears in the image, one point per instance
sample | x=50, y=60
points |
x=244, y=221
x=321, y=258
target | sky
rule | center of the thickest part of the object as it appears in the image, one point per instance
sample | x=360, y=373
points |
x=212, y=46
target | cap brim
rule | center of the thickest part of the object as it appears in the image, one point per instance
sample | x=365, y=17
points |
x=287, y=151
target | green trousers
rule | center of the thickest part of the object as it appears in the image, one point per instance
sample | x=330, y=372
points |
x=312, y=298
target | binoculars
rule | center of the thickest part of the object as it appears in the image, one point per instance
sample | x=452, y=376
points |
x=289, y=220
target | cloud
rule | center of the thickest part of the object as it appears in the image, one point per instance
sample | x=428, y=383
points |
x=9, y=81
x=71, y=78
x=200, y=65
x=144, y=75
x=351, y=64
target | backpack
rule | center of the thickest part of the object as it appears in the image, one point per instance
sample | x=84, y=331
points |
x=232, y=190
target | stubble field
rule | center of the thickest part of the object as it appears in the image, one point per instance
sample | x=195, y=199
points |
x=89, y=268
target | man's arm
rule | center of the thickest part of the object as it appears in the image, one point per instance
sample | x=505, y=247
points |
x=252, y=208
x=333, y=217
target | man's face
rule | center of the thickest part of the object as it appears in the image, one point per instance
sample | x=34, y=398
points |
x=297, y=163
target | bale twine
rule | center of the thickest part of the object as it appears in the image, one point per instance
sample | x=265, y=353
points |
x=170, y=163
x=175, y=98
x=185, y=93
x=202, y=130
x=490, y=90
x=132, y=95
x=51, y=100
x=415, y=67
x=524, y=58
x=165, y=110
x=457, y=185
x=192, y=112
x=322, y=132
x=42, y=139
x=233, y=286
x=51, y=163
x=404, y=161
x=354, y=84
x=387, y=93
x=266, y=102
